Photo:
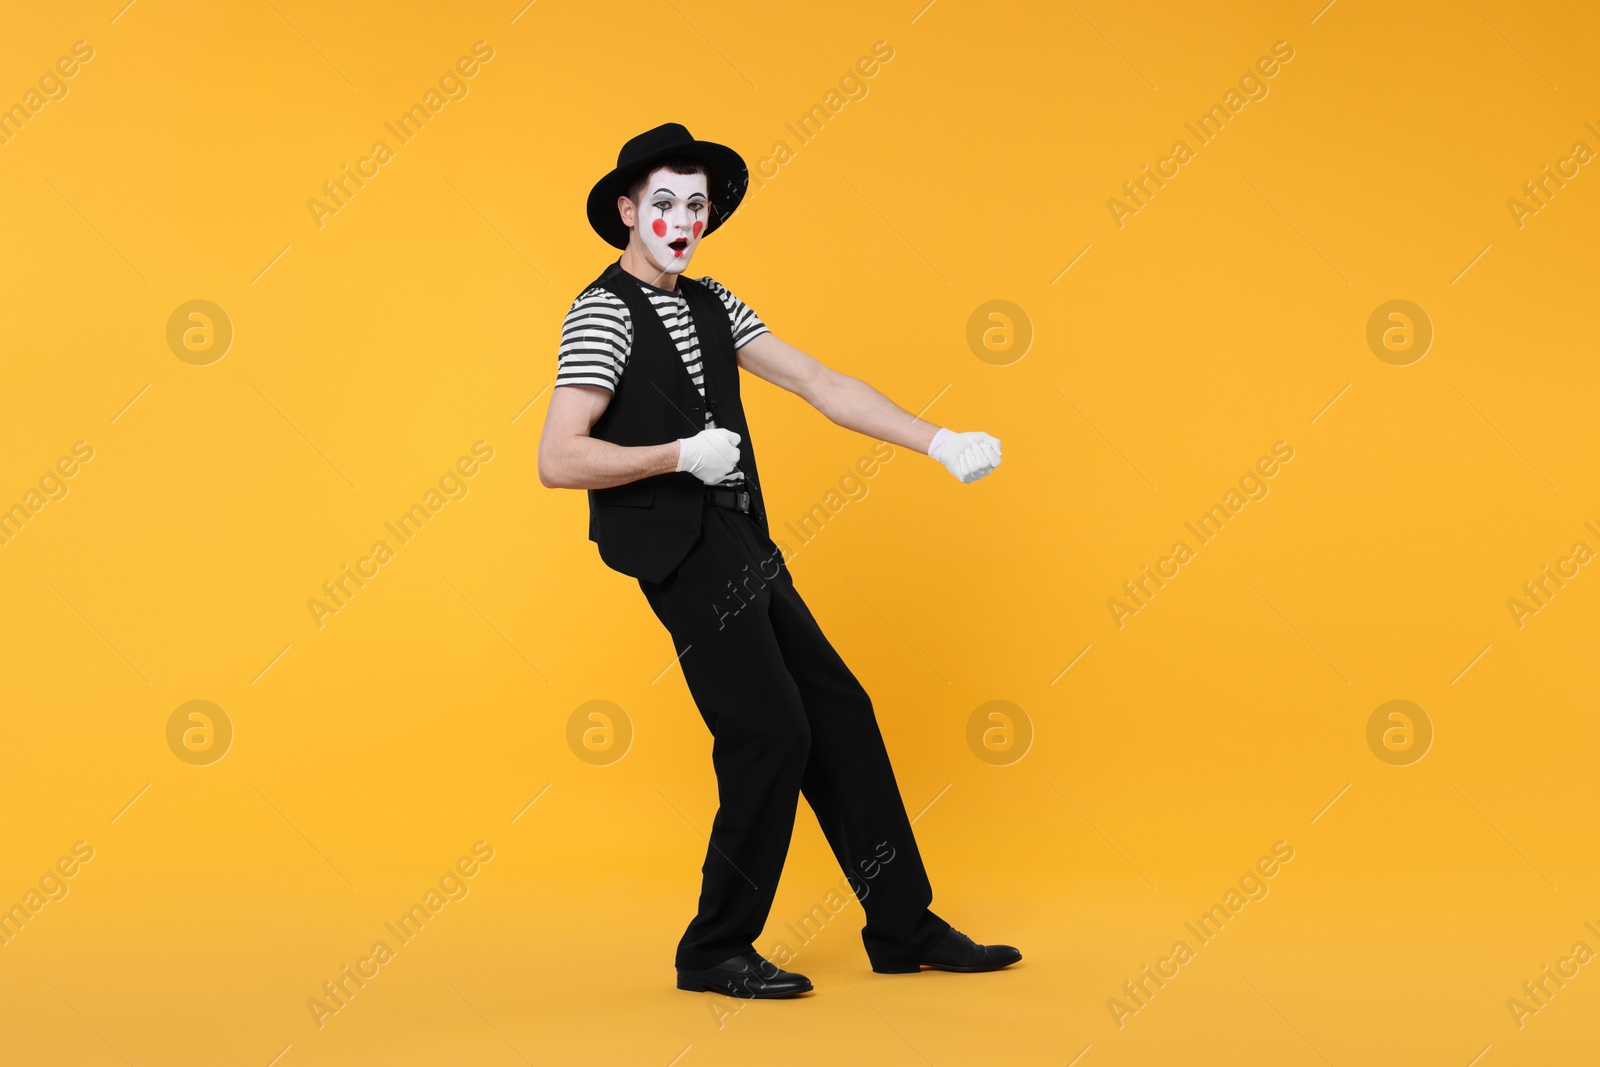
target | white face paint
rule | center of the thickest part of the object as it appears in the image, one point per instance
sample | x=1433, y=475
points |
x=672, y=214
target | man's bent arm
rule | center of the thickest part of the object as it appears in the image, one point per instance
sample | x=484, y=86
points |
x=848, y=402
x=570, y=459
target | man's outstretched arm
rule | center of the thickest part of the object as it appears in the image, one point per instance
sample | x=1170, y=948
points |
x=855, y=405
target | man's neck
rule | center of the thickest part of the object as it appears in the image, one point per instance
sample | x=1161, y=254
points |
x=642, y=267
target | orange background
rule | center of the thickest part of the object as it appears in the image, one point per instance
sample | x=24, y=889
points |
x=370, y=353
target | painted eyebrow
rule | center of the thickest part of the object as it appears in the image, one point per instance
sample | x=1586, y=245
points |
x=670, y=192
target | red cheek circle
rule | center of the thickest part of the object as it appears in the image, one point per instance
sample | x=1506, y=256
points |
x=660, y=227
x=697, y=228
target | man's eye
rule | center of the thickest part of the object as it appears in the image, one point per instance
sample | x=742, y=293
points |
x=662, y=205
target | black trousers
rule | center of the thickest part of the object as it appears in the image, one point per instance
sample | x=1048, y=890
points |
x=786, y=717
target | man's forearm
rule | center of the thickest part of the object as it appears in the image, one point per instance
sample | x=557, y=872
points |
x=855, y=405
x=589, y=463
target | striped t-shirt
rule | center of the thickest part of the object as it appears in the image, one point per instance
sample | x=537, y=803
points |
x=597, y=336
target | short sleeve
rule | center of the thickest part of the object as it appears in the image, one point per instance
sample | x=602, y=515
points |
x=595, y=338
x=747, y=326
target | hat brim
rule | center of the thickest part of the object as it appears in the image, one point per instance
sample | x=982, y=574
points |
x=727, y=179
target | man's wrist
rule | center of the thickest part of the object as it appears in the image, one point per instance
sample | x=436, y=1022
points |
x=938, y=441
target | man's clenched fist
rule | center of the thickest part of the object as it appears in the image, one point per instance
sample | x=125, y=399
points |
x=969, y=456
x=710, y=455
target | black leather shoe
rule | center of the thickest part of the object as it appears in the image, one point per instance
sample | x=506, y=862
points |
x=748, y=977
x=957, y=952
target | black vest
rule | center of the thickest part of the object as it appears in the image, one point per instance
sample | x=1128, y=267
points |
x=644, y=528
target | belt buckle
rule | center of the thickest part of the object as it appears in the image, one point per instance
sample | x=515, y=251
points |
x=728, y=497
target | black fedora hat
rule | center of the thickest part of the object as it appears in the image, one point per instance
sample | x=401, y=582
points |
x=727, y=178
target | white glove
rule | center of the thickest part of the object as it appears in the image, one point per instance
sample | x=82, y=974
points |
x=709, y=455
x=969, y=456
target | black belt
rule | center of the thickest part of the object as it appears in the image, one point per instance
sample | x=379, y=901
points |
x=733, y=499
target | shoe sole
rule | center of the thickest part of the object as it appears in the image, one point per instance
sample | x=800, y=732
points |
x=697, y=985
x=915, y=968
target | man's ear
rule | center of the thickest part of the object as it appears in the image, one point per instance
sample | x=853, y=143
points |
x=626, y=209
